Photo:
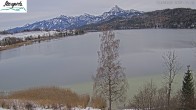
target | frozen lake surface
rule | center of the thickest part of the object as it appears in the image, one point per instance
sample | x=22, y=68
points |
x=73, y=60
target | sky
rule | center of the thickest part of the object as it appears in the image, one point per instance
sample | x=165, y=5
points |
x=47, y=9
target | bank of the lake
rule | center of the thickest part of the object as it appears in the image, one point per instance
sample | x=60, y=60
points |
x=15, y=45
x=10, y=41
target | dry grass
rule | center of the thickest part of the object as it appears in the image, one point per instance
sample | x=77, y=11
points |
x=52, y=96
x=4, y=104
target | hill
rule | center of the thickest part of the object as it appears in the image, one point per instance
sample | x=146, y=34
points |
x=167, y=18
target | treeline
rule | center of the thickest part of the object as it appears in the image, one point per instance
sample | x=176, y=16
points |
x=151, y=97
x=4, y=32
x=13, y=40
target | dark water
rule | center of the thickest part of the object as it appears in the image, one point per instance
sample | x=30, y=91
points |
x=73, y=60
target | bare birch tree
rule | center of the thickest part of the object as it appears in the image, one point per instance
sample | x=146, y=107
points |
x=172, y=68
x=110, y=81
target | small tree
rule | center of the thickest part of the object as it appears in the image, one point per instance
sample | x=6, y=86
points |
x=149, y=97
x=146, y=97
x=98, y=102
x=172, y=68
x=161, y=100
x=187, y=100
x=110, y=81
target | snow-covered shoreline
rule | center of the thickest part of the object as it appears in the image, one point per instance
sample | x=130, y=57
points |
x=76, y=108
x=9, y=41
x=24, y=35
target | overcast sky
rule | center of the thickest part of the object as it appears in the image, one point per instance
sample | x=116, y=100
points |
x=46, y=9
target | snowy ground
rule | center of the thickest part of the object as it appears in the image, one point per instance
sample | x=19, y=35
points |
x=36, y=109
x=2, y=109
x=34, y=34
x=88, y=108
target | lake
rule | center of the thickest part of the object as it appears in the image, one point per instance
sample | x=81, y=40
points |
x=73, y=60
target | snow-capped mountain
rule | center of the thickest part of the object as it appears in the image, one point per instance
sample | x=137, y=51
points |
x=68, y=22
x=118, y=12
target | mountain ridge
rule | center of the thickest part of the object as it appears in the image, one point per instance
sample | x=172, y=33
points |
x=63, y=22
x=117, y=18
x=177, y=18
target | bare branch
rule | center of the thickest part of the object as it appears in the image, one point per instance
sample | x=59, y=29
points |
x=172, y=68
x=110, y=81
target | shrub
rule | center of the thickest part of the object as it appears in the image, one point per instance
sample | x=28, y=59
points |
x=84, y=100
x=98, y=102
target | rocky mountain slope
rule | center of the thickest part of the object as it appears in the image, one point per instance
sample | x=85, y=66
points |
x=69, y=22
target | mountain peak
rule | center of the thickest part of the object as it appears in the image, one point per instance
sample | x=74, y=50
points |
x=62, y=16
x=73, y=22
x=116, y=8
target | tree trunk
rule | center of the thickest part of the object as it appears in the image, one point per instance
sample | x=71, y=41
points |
x=168, y=98
x=110, y=94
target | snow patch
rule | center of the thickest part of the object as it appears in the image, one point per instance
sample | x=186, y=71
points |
x=34, y=34
x=87, y=108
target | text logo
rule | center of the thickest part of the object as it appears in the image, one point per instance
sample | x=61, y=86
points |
x=13, y=6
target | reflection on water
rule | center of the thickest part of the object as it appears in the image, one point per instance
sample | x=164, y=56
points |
x=74, y=60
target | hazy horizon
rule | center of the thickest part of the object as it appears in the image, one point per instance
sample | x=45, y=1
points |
x=42, y=10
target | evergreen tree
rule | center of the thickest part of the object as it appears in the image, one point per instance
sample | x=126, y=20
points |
x=188, y=91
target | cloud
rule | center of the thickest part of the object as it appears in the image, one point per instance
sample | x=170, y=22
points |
x=14, y=20
x=46, y=9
